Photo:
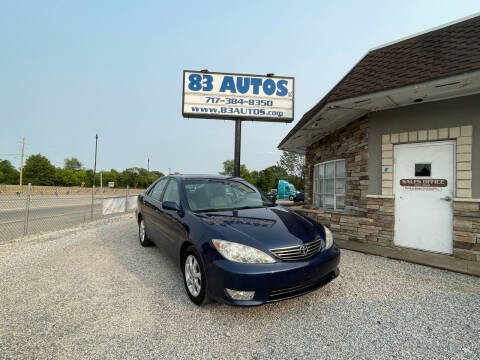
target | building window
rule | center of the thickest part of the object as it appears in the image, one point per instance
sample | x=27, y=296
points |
x=423, y=169
x=329, y=185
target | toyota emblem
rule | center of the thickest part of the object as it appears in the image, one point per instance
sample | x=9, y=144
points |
x=303, y=249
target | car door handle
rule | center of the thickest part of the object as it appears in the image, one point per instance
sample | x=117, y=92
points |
x=446, y=198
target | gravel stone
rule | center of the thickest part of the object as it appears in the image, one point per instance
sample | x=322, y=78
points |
x=96, y=293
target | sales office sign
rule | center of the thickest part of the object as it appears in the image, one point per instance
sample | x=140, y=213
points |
x=423, y=184
x=237, y=96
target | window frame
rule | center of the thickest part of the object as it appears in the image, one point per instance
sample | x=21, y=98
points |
x=422, y=176
x=178, y=189
x=318, y=193
x=150, y=192
x=267, y=202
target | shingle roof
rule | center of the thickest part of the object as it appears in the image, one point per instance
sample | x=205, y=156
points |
x=448, y=51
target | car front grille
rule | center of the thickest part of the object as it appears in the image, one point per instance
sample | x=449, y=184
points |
x=298, y=252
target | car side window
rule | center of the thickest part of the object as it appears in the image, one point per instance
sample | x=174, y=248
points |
x=171, y=192
x=156, y=192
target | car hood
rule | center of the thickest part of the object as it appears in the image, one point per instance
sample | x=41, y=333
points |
x=265, y=228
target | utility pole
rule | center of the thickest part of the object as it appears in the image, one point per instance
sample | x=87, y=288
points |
x=148, y=165
x=94, y=171
x=21, y=161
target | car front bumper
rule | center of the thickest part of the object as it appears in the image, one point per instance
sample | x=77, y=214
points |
x=271, y=282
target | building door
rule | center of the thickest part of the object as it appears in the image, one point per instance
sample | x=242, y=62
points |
x=424, y=185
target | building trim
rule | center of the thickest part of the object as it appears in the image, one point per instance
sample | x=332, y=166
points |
x=462, y=135
x=435, y=28
x=334, y=115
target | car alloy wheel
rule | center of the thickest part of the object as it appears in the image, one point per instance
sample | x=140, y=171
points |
x=194, y=276
x=142, y=234
x=291, y=198
x=142, y=231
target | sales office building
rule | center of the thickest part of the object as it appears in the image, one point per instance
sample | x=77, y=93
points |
x=393, y=150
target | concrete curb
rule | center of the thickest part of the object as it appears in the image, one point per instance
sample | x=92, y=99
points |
x=439, y=261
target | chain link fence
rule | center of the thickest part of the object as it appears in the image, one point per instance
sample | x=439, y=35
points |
x=36, y=209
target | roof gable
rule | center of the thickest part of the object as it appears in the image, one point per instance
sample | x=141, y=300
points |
x=448, y=51
x=441, y=53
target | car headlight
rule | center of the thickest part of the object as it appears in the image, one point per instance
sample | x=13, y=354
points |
x=328, y=238
x=241, y=253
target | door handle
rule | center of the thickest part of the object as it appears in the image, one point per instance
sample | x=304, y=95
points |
x=446, y=198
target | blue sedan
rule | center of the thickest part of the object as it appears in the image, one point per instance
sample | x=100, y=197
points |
x=232, y=243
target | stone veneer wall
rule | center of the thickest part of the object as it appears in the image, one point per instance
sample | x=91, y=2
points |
x=466, y=230
x=370, y=218
x=364, y=219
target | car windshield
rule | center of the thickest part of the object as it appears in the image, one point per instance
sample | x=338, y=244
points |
x=216, y=195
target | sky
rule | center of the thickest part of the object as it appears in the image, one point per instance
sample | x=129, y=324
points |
x=71, y=69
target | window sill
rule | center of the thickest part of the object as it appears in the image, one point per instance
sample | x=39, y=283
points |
x=380, y=197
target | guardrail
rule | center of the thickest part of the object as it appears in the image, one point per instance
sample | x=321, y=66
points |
x=31, y=212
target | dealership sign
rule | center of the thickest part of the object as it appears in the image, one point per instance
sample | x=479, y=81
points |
x=237, y=96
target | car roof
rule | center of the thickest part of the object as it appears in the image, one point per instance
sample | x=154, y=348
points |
x=203, y=176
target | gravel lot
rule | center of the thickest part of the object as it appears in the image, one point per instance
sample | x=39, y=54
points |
x=95, y=293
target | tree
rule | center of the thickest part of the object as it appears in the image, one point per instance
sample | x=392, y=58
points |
x=130, y=176
x=67, y=177
x=254, y=175
x=133, y=177
x=293, y=164
x=154, y=175
x=39, y=171
x=72, y=164
x=279, y=173
x=82, y=176
x=266, y=179
x=111, y=176
x=8, y=174
x=228, y=166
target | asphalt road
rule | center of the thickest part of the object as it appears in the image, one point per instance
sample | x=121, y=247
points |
x=47, y=213
x=44, y=218
x=97, y=294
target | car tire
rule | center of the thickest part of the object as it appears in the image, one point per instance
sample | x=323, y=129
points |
x=142, y=234
x=194, y=276
x=290, y=198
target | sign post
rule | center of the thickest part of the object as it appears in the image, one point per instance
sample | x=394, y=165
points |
x=227, y=96
x=238, y=141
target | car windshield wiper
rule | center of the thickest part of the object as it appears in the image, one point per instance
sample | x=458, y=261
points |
x=212, y=210
x=249, y=207
x=230, y=209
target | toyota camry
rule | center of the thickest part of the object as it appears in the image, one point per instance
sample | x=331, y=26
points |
x=232, y=243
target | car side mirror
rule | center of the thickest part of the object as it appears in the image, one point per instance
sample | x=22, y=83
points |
x=172, y=205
